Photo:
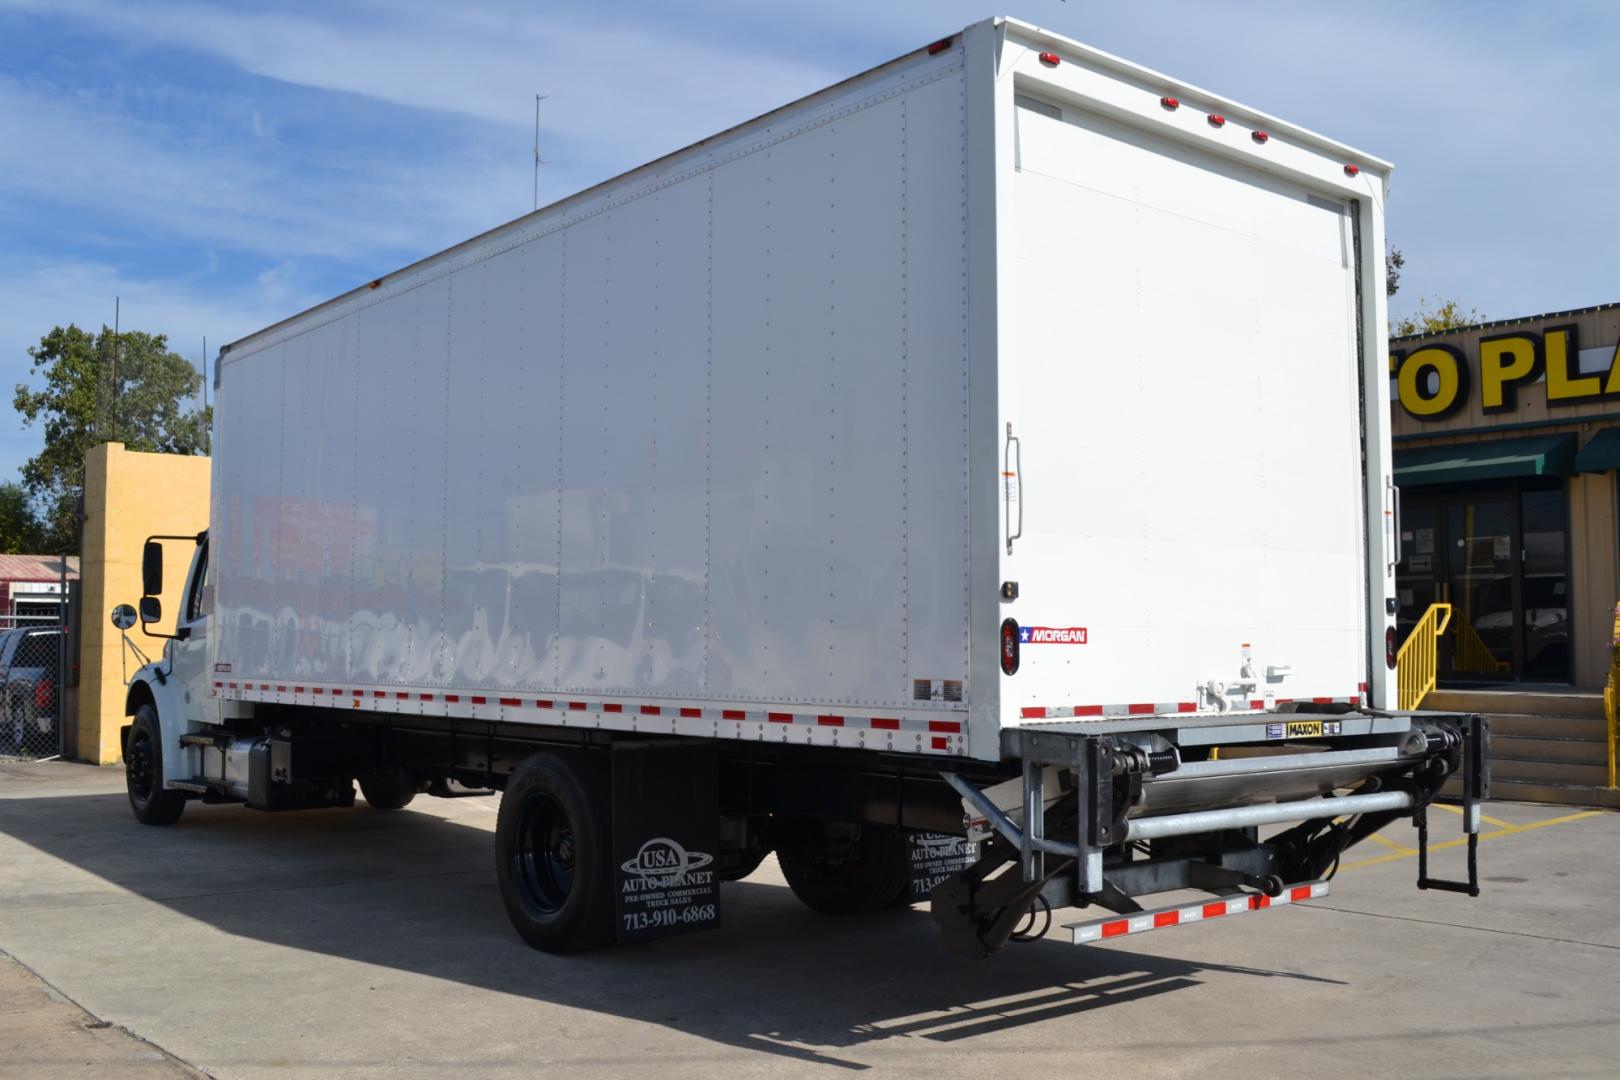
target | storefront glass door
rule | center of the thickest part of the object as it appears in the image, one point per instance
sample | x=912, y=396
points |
x=1480, y=585
x=1499, y=557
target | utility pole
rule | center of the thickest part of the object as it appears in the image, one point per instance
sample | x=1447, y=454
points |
x=205, y=371
x=538, y=98
x=112, y=402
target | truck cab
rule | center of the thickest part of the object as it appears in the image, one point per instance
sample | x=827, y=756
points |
x=183, y=741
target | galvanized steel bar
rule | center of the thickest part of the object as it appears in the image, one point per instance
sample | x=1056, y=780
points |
x=1242, y=817
x=1004, y=824
x=1285, y=762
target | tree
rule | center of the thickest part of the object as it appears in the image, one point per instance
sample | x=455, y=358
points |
x=98, y=388
x=20, y=529
x=1434, y=317
x=1431, y=316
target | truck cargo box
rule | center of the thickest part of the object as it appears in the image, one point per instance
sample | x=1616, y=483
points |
x=1004, y=383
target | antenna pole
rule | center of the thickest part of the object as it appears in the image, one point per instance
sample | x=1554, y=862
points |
x=538, y=98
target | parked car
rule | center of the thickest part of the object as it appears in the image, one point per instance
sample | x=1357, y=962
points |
x=29, y=686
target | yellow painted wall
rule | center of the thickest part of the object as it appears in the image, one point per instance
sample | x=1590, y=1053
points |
x=128, y=496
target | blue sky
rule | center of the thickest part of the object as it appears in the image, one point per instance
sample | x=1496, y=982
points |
x=222, y=165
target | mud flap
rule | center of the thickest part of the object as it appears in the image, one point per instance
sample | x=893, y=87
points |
x=666, y=835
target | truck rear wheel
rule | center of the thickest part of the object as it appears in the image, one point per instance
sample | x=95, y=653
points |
x=554, y=854
x=843, y=869
x=388, y=790
x=143, y=772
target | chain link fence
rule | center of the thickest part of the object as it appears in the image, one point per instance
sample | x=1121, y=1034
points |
x=31, y=664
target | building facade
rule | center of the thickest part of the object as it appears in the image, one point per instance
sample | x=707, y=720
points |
x=1507, y=441
x=32, y=589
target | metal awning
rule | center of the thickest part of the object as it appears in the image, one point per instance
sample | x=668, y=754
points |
x=1541, y=455
x=1601, y=454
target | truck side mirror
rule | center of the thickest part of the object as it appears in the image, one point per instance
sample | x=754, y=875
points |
x=151, y=609
x=151, y=571
x=123, y=616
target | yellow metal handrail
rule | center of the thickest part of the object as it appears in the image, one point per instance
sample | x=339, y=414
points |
x=1471, y=652
x=1611, y=694
x=1418, y=662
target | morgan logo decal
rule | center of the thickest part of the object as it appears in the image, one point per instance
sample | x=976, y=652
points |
x=1052, y=635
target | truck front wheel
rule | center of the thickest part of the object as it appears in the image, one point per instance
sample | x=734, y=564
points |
x=843, y=869
x=143, y=772
x=553, y=852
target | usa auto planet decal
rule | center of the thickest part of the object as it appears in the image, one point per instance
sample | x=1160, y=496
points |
x=666, y=887
x=663, y=863
x=935, y=857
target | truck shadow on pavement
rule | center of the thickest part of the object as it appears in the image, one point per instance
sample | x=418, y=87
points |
x=416, y=893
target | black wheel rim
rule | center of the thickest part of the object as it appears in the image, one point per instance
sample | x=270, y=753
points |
x=139, y=765
x=543, y=857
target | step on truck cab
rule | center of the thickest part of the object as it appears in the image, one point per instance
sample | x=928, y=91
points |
x=970, y=483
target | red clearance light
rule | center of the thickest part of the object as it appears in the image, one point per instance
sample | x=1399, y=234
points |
x=375, y=284
x=1009, y=646
x=1050, y=59
x=1260, y=136
x=1170, y=103
x=1352, y=170
x=1389, y=648
x=939, y=46
x=1217, y=120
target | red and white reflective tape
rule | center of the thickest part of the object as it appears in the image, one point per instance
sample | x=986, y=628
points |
x=1124, y=925
x=942, y=735
x=1165, y=708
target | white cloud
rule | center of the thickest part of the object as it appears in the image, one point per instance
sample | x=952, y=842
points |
x=58, y=147
x=1495, y=116
x=38, y=294
x=638, y=91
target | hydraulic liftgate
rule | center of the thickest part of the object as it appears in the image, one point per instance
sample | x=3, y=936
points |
x=1109, y=811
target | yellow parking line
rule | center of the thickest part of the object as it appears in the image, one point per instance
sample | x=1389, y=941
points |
x=1486, y=818
x=1392, y=845
x=1511, y=830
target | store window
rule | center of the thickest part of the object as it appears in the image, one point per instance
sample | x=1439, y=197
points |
x=1498, y=554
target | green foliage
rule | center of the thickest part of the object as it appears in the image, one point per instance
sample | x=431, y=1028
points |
x=1394, y=261
x=98, y=388
x=20, y=530
x=1435, y=317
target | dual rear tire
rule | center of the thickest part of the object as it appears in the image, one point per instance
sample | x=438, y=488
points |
x=843, y=869
x=554, y=856
x=554, y=852
x=391, y=789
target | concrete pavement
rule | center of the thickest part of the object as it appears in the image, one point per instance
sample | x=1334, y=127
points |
x=356, y=943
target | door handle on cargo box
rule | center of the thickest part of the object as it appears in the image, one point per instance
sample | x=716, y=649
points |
x=1395, y=511
x=1012, y=478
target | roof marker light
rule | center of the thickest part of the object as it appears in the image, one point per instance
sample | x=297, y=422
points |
x=1217, y=120
x=939, y=46
x=1259, y=136
x=1170, y=103
x=1050, y=59
x=1352, y=170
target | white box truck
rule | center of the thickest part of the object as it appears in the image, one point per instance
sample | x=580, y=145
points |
x=922, y=481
